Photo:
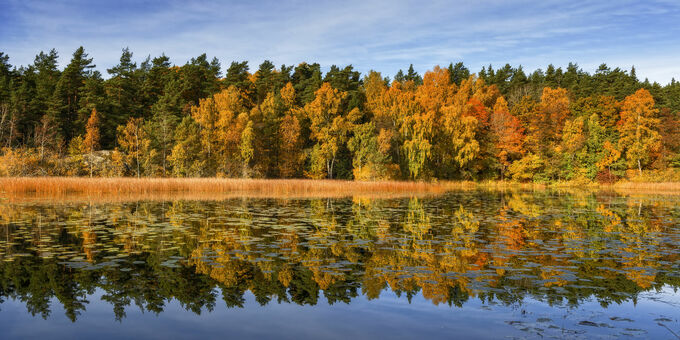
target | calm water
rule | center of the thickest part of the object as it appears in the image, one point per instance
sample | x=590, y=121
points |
x=465, y=264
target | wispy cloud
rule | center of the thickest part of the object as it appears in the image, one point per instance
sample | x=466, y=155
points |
x=382, y=35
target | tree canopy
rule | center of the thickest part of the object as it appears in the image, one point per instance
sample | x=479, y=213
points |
x=153, y=118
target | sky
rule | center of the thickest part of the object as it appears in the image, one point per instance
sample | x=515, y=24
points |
x=381, y=35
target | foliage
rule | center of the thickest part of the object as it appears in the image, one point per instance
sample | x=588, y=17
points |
x=525, y=169
x=135, y=146
x=153, y=118
x=639, y=129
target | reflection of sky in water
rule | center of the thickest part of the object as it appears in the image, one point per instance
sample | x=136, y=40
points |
x=386, y=317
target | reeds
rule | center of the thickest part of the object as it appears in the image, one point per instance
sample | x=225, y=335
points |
x=125, y=189
x=647, y=188
x=218, y=187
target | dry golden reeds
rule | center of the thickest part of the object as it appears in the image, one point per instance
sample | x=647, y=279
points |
x=647, y=188
x=217, y=187
x=125, y=189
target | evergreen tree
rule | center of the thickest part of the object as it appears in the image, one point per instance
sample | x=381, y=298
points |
x=412, y=75
x=123, y=89
x=458, y=72
x=306, y=81
x=65, y=101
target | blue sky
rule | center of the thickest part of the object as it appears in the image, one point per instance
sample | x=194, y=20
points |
x=380, y=35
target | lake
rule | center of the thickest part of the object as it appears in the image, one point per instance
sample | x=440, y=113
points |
x=467, y=264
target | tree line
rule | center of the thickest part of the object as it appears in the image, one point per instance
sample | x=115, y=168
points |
x=160, y=119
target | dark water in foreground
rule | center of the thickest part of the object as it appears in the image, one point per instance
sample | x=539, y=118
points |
x=466, y=264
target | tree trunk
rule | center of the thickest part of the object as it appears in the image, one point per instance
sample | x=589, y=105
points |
x=4, y=110
x=137, y=150
x=639, y=167
x=328, y=168
x=11, y=132
x=164, y=157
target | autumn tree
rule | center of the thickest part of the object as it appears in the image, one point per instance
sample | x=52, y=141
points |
x=390, y=107
x=134, y=142
x=546, y=127
x=419, y=126
x=76, y=164
x=370, y=155
x=206, y=117
x=448, y=116
x=639, y=129
x=571, y=147
x=290, y=148
x=328, y=129
x=220, y=131
x=92, y=136
x=246, y=147
x=475, y=100
x=508, y=134
x=597, y=137
x=545, y=124
x=232, y=117
x=669, y=129
x=609, y=155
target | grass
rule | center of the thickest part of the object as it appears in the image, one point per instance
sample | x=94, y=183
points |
x=216, y=187
x=669, y=188
x=128, y=189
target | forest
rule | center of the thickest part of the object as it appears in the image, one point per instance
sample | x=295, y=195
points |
x=156, y=119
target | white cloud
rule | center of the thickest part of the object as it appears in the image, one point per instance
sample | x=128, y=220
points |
x=381, y=35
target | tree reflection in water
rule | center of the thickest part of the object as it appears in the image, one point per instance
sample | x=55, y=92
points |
x=504, y=247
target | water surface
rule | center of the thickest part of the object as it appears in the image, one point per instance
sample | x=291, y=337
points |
x=474, y=264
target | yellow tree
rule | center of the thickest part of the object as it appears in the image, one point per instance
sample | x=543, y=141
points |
x=184, y=156
x=638, y=128
x=545, y=127
x=290, y=148
x=572, y=145
x=461, y=131
x=246, y=147
x=462, y=120
x=92, y=136
x=610, y=155
x=391, y=109
x=206, y=116
x=417, y=150
x=232, y=117
x=328, y=128
x=419, y=113
x=290, y=160
x=220, y=133
x=374, y=87
x=135, y=144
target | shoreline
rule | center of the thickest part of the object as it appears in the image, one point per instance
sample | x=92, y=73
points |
x=207, y=188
